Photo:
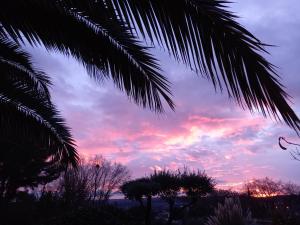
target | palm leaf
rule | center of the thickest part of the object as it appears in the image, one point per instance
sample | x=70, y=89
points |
x=22, y=70
x=19, y=124
x=205, y=36
x=27, y=114
x=104, y=47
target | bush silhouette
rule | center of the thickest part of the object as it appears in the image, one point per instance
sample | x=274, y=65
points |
x=230, y=213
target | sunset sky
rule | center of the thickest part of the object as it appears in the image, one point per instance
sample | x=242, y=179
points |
x=207, y=131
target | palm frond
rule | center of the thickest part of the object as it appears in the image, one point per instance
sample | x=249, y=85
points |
x=205, y=36
x=200, y=33
x=19, y=123
x=27, y=114
x=19, y=62
x=103, y=46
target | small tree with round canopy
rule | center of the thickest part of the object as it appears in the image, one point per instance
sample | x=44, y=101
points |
x=195, y=185
x=170, y=185
x=138, y=190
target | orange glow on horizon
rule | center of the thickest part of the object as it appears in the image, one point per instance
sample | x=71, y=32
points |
x=264, y=195
x=259, y=194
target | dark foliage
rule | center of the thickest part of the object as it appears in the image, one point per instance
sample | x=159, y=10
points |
x=74, y=187
x=196, y=185
x=179, y=189
x=31, y=213
x=49, y=209
x=35, y=143
x=24, y=165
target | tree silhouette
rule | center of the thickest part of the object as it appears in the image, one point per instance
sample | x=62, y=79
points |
x=193, y=185
x=26, y=166
x=105, y=177
x=93, y=180
x=74, y=187
x=196, y=185
x=265, y=187
x=139, y=189
x=169, y=187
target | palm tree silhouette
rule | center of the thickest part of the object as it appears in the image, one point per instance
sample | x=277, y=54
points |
x=104, y=35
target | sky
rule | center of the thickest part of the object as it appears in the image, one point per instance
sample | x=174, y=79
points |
x=207, y=131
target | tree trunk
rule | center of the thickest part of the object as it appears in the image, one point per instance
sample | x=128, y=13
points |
x=171, y=211
x=148, y=210
x=185, y=215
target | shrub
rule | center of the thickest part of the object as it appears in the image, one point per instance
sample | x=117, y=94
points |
x=230, y=213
